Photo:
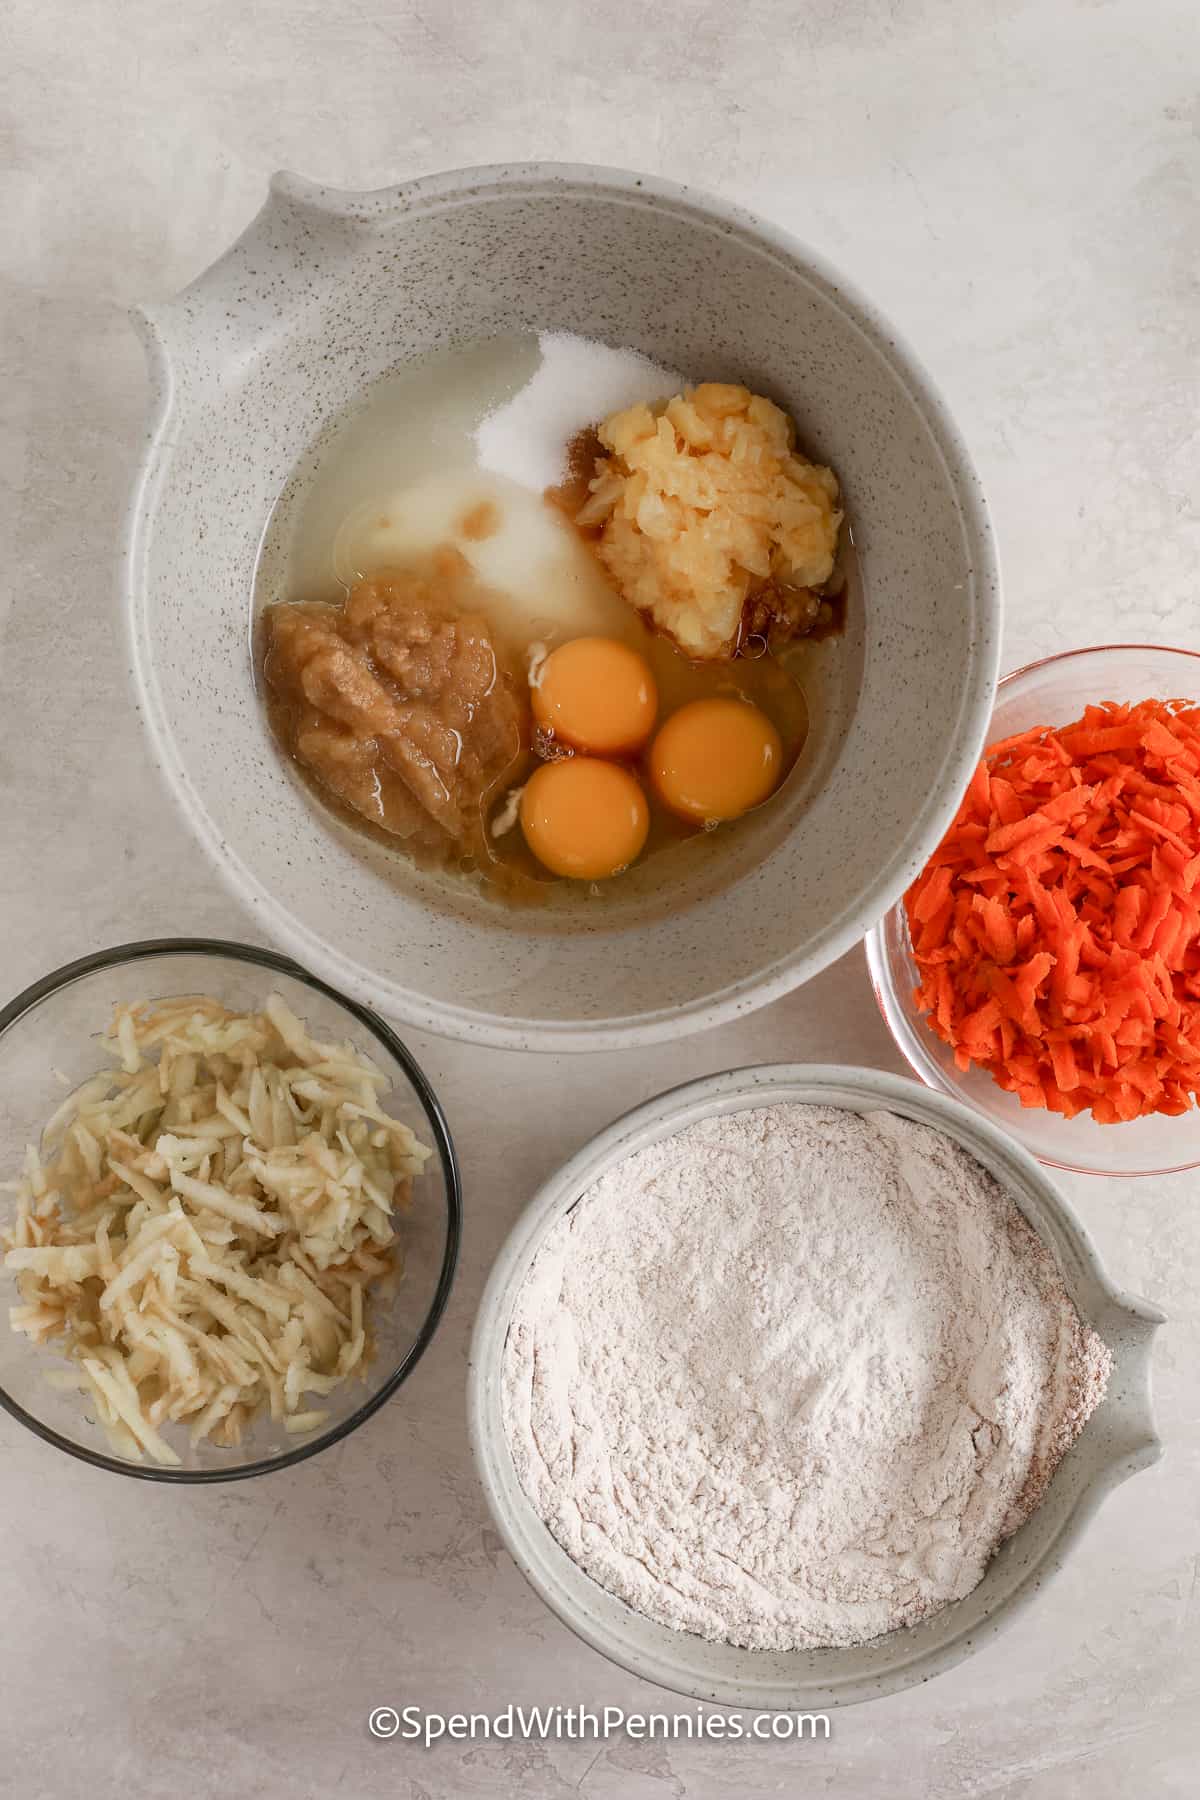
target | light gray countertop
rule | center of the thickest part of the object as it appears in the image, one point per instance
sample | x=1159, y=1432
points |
x=1015, y=182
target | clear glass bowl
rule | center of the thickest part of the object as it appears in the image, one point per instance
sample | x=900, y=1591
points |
x=48, y=1031
x=1051, y=692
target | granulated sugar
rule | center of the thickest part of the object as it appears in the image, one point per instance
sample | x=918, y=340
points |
x=576, y=384
x=788, y=1378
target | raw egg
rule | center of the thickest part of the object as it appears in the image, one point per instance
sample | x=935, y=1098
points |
x=596, y=694
x=715, y=759
x=584, y=818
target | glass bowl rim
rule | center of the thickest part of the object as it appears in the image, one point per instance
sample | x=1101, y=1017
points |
x=1044, y=662
x=877, y=961
x=141, y=950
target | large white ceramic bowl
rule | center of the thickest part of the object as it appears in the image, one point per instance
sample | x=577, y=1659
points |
x=325, y=293
x=1117, y=1440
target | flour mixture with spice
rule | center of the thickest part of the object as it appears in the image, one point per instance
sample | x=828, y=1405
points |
x=789, y=1377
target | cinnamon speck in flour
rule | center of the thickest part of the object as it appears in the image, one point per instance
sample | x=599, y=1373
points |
x=789, y=1378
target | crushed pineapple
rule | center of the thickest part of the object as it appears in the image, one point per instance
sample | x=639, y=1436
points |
x=711, y=524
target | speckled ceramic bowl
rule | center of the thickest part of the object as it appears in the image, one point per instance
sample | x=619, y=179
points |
x=1118, y=1440
x=326, y=292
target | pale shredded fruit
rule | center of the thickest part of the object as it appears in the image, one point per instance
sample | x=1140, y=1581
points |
x=202, y=1231
x=712, y=525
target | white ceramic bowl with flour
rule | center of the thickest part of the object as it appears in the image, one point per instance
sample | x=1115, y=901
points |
x=1118, y=1439
x=328, y=292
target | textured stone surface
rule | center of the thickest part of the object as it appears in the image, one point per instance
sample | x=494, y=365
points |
x=1015, y=183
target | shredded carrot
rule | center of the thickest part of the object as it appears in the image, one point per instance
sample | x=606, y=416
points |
x=1057, y=926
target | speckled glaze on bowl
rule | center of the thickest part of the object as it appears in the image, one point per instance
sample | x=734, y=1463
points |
x=326, y=292
x=1118, y=1440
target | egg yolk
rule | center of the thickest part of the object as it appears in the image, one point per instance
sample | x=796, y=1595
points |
x=596, y=694
x=584, y=818
x=715, y=759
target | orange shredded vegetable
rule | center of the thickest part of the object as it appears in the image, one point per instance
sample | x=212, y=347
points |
x=1057, y=927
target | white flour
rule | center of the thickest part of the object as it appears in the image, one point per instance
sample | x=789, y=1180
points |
x=576, y=384
x=787, y=1378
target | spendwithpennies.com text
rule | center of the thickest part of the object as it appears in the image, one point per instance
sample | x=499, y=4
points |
x=413, y=1724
